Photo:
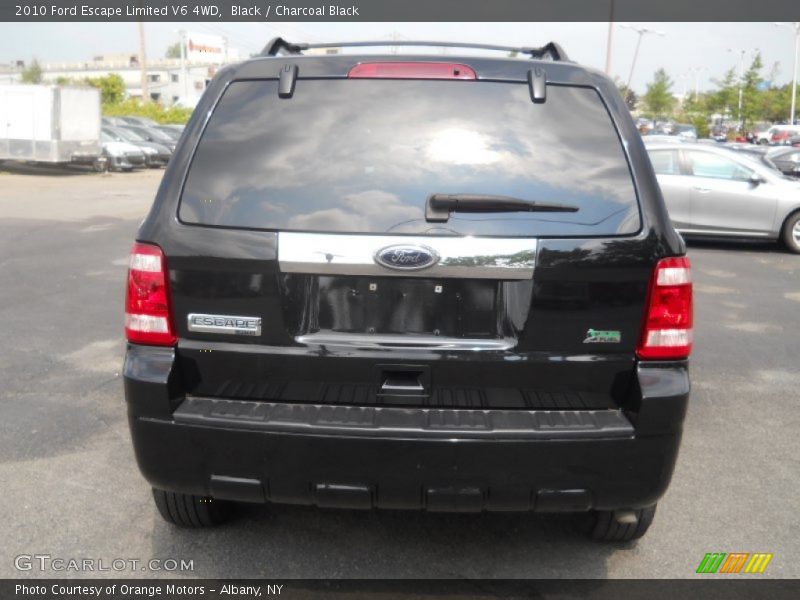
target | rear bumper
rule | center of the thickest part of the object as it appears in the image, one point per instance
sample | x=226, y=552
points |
x=439, y=460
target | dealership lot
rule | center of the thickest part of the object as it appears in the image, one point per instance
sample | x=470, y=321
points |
x=72, y=489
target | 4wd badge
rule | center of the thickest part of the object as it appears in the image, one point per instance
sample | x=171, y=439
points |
x=598, y=336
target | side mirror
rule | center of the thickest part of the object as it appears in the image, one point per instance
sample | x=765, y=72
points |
x=756, y=179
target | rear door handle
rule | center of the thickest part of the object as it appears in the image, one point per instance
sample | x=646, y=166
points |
x=402, y=385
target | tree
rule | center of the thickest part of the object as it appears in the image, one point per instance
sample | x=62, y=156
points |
x=174, y=51
x=628, y=95
x=112, y=88
x=32, y=74
x=776, y=103
x=725, y=99
x=659, y=99
x=751, y=82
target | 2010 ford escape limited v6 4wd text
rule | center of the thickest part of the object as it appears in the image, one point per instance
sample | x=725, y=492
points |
x=396, y=282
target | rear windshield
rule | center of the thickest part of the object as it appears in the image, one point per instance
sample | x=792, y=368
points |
x=362, y=156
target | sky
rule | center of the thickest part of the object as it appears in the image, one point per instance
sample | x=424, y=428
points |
x=687, y=51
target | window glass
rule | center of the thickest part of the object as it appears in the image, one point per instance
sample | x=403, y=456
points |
x=705, y=164
x=362, y=156
x=665, y=162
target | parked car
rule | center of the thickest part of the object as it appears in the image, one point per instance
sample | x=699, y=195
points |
x=787, y=160
x=712, y=191
x=684, y=131
x=659, y=138
x=376, y=282
x=172, y=132
x=719, y=133
x=137, y=121
x=121, y=156
x=783, y=134
x=760, y=133
x=757, y=152
x=156, y=155
x=151, y=134
x=113, y=122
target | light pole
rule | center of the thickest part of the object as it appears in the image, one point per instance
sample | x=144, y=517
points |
x=610, y=37
x=684, y=78
x=741, y=78
x=696, y=72
x=641, y=31
x=184, y=73
x=796, y=27
x=143, y=64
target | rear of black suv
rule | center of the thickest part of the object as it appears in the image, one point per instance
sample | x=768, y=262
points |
x=399, y=282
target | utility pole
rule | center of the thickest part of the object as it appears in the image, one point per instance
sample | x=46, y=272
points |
x=696, y=71
x=610, y=38
x=184, y=73
x=684, y=78
x=143, y=63
x=796, y=27
x=642, y=31
x=741, y=82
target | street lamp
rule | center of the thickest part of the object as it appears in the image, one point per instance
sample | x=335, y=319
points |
x=642, y=31
x=741, y=81
x=796, y=27
x=684, y=78
x=696, y=71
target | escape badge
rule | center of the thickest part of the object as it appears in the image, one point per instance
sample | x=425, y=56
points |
x=598, y=336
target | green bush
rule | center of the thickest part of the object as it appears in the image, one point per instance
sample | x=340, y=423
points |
x=701, y=124
x=112, y=87
x=133, y=107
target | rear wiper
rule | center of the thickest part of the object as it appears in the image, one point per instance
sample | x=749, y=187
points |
x=439, y=206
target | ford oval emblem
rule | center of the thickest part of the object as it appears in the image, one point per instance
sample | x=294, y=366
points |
x=406, y=257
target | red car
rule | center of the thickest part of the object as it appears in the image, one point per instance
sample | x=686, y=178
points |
x=785, y=135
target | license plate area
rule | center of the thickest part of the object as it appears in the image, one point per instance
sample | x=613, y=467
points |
x=391, y=305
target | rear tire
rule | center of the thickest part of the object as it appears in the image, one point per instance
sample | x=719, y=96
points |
x=607, y=528
x=791, y=233
x=186, y=510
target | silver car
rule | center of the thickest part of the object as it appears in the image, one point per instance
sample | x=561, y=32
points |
x=714, y=191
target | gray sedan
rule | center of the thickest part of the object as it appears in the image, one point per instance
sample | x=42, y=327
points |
x=714, y=191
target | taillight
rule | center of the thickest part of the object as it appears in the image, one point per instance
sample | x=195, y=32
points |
x=411, y=70
x=147, y=304
x=667, y=328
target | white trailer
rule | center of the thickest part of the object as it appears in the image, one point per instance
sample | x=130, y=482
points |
x=50, y=124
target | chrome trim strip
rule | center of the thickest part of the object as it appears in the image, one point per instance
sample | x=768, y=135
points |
x=411, y=342
x=724, y=232
x=224, y=324
x=464, y=257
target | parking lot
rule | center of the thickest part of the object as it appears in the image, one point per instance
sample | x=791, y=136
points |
x=72, y=488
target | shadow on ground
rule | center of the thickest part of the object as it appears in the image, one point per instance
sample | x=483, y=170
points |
x=307, y=542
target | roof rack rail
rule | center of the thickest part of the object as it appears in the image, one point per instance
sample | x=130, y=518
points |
x=550, y=51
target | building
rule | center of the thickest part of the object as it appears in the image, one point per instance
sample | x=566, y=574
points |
x=169, y=80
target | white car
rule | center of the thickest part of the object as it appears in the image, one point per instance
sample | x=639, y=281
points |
x=763, y=136
x=122, y=156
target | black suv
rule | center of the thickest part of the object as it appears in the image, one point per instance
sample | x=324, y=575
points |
x=412, y=282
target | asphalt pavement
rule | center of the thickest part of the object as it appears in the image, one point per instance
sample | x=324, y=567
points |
x=72, y=489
